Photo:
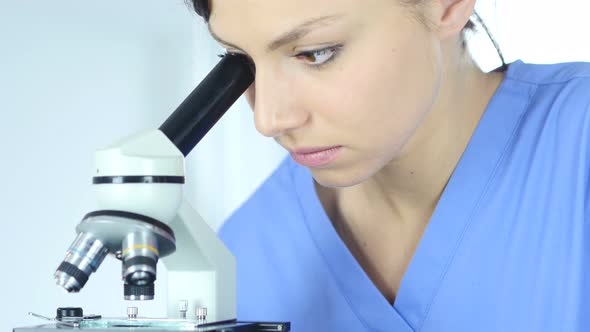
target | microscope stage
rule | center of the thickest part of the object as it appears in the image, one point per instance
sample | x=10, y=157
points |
x=164, y=326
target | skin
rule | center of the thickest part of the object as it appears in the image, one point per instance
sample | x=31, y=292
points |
x=399, y=94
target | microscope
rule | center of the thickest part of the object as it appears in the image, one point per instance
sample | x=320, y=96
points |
x=142, y=217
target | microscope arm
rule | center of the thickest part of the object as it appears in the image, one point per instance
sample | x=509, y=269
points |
x=202, y=271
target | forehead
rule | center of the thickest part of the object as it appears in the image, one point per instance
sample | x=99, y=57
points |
x=268, y=17
x=268, y=9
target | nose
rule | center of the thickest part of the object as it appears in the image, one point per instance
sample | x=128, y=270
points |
x=277, y=110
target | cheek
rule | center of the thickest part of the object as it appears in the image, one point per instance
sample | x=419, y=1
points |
x=390, y=95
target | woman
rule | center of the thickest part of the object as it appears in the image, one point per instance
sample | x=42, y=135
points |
x=422, y=194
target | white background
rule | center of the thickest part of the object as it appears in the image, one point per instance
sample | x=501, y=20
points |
x=76, y=75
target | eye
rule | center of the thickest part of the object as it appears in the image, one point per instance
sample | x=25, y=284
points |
x=317, y=58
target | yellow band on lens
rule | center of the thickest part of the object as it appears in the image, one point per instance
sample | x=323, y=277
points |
x=141, y=246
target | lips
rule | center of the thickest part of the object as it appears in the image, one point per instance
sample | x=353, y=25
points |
x=316, y=156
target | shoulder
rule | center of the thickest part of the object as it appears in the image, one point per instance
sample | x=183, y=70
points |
x=554, y=130
x=555, y=87
x=558, y=97
x=272, y=205
x=550, y=74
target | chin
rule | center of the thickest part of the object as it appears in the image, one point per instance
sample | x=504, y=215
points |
x=340, y=178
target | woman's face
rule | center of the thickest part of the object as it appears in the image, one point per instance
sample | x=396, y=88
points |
x=354, y=77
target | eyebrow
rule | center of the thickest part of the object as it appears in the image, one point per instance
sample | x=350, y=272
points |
x=288, y=37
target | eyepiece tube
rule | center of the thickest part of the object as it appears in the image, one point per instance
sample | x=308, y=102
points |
x=199, y=112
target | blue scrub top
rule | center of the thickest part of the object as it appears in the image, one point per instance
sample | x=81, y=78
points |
x=507, y=248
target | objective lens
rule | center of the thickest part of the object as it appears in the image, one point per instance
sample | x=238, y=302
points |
x=82, y=259
x=138, y=293
x=140, y=256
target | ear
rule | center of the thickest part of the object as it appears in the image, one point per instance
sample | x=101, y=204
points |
x=453, y=15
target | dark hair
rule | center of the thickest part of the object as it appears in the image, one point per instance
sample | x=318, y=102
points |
x=201, y=7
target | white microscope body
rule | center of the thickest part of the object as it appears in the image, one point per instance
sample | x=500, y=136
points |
x=142, y=215
x=202, y=270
